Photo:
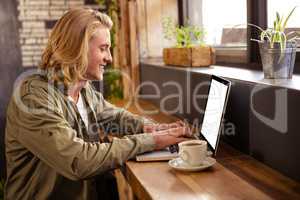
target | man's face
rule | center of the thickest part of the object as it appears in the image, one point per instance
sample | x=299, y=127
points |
x=98, y=54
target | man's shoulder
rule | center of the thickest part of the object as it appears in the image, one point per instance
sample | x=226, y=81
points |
x=35, y=86
x=31, y=82
x=29, y=87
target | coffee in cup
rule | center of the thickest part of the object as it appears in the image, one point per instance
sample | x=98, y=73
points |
x=193, y=152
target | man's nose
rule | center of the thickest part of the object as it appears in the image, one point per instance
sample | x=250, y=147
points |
x=108, y=57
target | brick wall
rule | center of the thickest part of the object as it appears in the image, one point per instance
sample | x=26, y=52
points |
x=36, y=18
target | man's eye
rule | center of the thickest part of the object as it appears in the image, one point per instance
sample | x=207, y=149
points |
x=102, y=49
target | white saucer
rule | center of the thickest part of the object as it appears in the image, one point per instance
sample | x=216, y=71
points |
x=179, y=164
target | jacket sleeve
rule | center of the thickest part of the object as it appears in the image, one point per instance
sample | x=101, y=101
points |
x=118, y=120
x=44, y=131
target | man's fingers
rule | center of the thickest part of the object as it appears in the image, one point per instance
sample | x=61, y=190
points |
x=188, y=131
x=165, y=126
x=179, y=132
x=180, y=122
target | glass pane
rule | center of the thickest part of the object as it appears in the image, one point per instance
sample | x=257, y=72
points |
x=225, y=22
x=283, y=8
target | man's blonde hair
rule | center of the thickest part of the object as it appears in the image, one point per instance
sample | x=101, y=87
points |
x=65, y=56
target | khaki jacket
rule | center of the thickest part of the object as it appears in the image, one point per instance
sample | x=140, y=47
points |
x=51, y=154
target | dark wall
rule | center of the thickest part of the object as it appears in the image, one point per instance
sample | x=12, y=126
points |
x=277, y=147
x=265, y=118
x=197, y=84
x=10, y=62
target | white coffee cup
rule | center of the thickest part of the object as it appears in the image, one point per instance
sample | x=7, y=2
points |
x=193, y=152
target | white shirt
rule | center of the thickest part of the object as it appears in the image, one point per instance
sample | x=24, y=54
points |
x=82, y=110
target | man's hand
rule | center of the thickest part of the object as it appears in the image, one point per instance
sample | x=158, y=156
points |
x=171, y=136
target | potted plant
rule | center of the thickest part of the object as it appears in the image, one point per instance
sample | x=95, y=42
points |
x=277, y=48
x=190, y=49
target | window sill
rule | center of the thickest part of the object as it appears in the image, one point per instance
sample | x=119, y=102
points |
x=224, y=70
x=231, y=54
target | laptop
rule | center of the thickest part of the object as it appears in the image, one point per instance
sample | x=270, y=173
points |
x=211, y=125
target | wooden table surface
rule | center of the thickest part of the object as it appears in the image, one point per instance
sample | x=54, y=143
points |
x=234, y=176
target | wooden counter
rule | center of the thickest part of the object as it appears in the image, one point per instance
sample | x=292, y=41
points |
x=234, y=176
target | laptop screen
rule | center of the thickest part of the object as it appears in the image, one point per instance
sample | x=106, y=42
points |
x=215, y=106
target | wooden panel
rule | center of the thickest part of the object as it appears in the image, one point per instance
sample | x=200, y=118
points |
x=142, y=28
x=154, y=28
x=263, y=177
x=127, y=82
x=157, y=180
x=116, y=50
x=155, y=11
x=124, y=189
x=124, y=30
x=124, y=47
x=134, y=52
x=150, y=32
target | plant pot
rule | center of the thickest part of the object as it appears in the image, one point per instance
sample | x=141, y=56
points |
x=198, y=56
x=277, y=63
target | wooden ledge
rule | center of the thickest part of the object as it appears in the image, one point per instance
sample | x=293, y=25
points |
x=231, y=72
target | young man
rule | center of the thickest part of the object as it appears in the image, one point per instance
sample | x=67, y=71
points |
x=53, y=150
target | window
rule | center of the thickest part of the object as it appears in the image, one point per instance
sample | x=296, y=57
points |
x=225, y=26
x=231, y=15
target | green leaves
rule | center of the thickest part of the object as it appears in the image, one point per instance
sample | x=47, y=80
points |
x=276, y=34
x=168, y=28
x=288, y=17
x=184, y=36
x=112, y=79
